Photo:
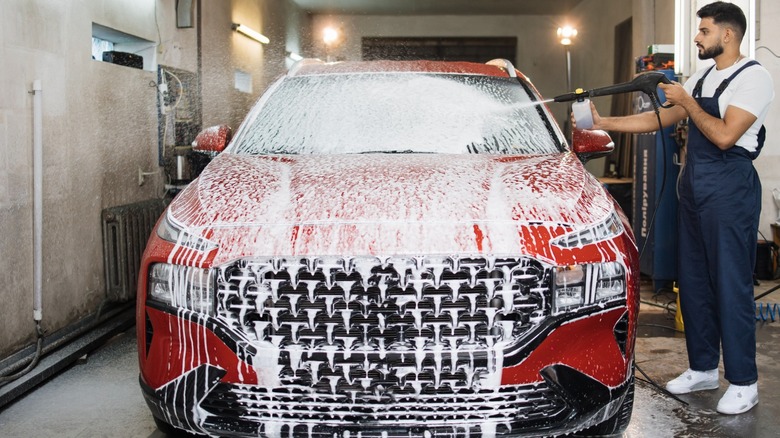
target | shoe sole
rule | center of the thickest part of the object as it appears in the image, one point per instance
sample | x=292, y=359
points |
x=741, y=410
x=703, y=386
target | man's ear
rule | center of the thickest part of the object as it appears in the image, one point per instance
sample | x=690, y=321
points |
x=728, y=34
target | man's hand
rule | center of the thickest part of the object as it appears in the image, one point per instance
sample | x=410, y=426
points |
x=676, y=94
x=594, y=113
x=723, y=132
x=641, y=122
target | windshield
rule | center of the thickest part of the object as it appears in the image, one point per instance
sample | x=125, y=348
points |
x=392, y=112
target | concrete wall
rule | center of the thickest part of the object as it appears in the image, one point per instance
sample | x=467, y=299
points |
x=100, y=127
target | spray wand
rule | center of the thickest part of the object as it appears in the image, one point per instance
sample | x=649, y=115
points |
x=644, y=82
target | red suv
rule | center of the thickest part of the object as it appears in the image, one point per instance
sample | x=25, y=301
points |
x=392, y=249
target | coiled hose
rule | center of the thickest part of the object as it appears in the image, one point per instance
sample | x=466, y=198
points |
x=767, y=311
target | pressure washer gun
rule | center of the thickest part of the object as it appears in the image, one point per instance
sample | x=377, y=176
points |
x=645, y=82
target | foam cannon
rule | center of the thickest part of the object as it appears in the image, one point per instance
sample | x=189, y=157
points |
x=645, y=82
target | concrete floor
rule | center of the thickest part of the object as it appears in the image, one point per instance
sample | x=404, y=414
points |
x=100, y=397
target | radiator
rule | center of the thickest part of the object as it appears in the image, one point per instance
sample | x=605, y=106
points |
x=126, y=229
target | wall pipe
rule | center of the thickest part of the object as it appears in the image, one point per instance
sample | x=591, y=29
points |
x=37, y=201
x=37, y=230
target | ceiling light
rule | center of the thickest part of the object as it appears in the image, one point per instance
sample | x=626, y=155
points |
x=330, y=35
x=251, y=33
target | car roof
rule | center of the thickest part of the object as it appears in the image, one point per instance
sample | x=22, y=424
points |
x=497, y=68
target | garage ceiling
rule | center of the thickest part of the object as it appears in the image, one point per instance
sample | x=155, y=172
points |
x=438, y=7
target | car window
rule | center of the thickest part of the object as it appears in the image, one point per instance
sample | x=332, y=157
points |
x=397, y=112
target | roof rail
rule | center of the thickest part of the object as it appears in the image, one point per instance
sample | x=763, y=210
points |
x=302, y=63
x=505, y=65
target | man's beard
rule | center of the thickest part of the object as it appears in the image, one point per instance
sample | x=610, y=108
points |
x=711, y=52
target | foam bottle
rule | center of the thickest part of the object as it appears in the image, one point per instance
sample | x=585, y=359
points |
x=582, y=114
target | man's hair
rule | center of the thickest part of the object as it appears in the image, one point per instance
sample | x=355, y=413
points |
x=727, y=14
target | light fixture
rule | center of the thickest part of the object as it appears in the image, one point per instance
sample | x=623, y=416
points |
x=566, y=34
x=251, y=33
x=330, y=36
x=294, y=56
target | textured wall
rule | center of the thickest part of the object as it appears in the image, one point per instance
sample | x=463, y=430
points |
x=100, y=127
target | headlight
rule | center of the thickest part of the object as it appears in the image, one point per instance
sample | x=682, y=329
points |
x=604, y=230
x=578, y=286
x=182, y=286
x=172, y=231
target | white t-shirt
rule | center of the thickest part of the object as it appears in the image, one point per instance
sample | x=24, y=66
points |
x=752, y=90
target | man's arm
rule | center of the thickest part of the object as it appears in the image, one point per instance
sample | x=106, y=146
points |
x=637, y=123
x=724, y=132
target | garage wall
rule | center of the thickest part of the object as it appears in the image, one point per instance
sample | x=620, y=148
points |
x=100, y=127
x=225, y=52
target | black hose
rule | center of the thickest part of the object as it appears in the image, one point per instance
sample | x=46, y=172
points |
x=656, y=109
x=767, y=293
x=33, y=362
x=55, y=343
x=659, y=388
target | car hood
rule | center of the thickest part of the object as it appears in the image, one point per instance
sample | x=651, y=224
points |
x=386, y=203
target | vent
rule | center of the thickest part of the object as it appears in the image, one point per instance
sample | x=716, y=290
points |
x=621, y=333
x=126, y=229
x=149, y=333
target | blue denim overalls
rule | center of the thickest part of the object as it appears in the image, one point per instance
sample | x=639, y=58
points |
x=720, y=203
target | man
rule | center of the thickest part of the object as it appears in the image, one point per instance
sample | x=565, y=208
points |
x=720, y=203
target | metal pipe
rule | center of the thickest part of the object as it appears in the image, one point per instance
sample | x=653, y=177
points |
x=37, y=201
x=568, y=68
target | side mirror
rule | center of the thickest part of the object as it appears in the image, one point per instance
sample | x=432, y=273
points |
x=212, y=140
x=589, y=144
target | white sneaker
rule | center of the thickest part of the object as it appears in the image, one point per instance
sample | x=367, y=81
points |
x=691, y=381
x=738, y=399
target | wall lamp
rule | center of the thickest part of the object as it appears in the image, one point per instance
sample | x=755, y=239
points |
x=566, y=34
x=251, y=33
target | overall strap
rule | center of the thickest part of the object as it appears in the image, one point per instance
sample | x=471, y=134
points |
x=727, y=81
x=697, y=89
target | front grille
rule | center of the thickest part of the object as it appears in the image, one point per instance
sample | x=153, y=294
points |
x=532, y=404
x=376, y=331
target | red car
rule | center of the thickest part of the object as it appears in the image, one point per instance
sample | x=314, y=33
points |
x=392, y=249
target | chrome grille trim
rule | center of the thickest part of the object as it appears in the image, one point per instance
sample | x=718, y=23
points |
x=367, y=327
x=526, y=403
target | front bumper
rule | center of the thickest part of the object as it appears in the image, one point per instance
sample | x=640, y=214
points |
x=566, y=401
x=570, y=374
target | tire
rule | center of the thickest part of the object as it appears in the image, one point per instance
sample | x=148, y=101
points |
x=618, y=423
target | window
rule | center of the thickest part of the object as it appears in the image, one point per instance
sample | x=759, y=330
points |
x=475, y=49
x=117, y=47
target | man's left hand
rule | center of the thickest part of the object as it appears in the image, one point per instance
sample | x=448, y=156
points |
x=676, y=94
